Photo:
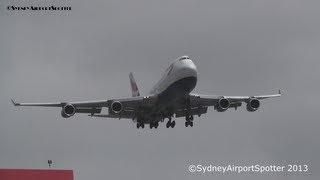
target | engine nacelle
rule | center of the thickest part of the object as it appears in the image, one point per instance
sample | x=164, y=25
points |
x=68, y=110
x=253, y=104
x=116, y=107
x=223, y=104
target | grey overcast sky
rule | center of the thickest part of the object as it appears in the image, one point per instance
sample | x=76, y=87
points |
x=240, y=47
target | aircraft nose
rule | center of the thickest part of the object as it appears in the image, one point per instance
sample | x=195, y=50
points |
x=193, y=68
x=190, y=68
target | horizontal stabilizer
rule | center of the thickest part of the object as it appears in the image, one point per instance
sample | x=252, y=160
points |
x=14, y=103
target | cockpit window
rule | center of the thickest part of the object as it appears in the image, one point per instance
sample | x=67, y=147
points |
x=183, y=58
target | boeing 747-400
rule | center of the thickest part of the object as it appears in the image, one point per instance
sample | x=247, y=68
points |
x=170, y=97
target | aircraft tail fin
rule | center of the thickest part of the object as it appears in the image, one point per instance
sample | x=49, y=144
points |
x=134, y=87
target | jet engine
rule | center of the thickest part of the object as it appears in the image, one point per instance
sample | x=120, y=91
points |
x=253, y=104
x=223, y=104
x=68, y=110
x=116, y=106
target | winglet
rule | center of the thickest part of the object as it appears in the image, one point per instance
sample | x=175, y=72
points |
x=14, y=103
x=280, y=92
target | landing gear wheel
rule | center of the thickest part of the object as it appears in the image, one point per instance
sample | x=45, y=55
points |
x=154, y=125
x=140, y=124
x=173, y=123
x=188, y=123
x=168, y=124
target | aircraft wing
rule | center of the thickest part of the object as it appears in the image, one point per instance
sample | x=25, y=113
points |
x=131, y=102
x=93, y=107
x=125, y=114
x=211, y=100
x=200, y=103
x=101, y=103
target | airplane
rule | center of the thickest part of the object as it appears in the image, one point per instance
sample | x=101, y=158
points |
x=170, y=97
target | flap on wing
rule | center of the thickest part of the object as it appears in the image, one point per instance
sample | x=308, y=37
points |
x=194, y=111
x=88, y=110
x=198, y=100
x=126, y=114
x=135, y=102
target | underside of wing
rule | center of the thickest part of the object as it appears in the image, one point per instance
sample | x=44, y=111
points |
x=125, y=114
x=198, y=103
x=118, y=108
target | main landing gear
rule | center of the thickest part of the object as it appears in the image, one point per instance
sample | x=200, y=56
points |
x=154, y=125
x=170, y=123
x=189, y=118
x=140, y=124
x=151, y=125
x=189, y=121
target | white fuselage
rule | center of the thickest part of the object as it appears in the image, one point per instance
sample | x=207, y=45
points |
x=180, y=72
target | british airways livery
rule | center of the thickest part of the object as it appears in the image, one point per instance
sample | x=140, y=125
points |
x=170, y=97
